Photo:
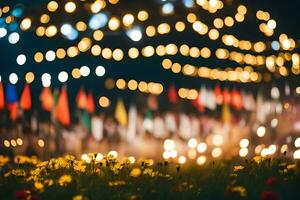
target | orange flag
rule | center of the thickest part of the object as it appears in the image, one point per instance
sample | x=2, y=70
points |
x=62, y=112
x=81, y=99
x=90, y=103
x=13, y=108
x=25, y=101
x=2, y=102
x=47, y=100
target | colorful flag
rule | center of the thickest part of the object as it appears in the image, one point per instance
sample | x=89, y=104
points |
x=218, y=94
x=86, y=120
x=62, y=112
x=152, y=102
x=236, y=99
x=90, y=103
x=47, y=99
x=198, y=103
x=226, y=114
x=12, y=101
x=132, y=123
x=25, y=101
x=2, y=101
x=81, y=99
x=172, y=94
x=226, y=96
x=120, y=112
x=97, y=127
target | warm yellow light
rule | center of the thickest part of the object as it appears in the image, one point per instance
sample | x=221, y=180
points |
x=176, y=68
x=51, y=31
x=104, y=102
x=38, y=57
x=113, y=23
x=44, y=19
x=106, y=53
x=133, y=52
x=201, y=148
x=167, y=63
x=261, y=131
x=180, y=26
x=148, y=51
x=70, y=7
x=118, y=54
x=81, y=26
x=84, y=44
x=96, y=50
x=191, y=17
x=213, y=34
x=150, y=31
x=40, y=31
x=205, y=52
x=229, y=21
x=216, y=152
x=128, y=19
x=163, y=28
x=143, y=15
x=76, y=73
x=72, y=51
x=25, y=24
x=121, y=84
x=60, y=53
x=29, y=77
x=217, y=140
x=218, y=23
x=184, y=50
x=201, y=160
x=52, y=6
x=132, y=84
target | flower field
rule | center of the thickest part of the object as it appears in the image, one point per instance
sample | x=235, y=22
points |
x=108, y=178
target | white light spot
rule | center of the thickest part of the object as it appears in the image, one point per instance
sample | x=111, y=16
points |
x=50, y=55
x=100, y=71
x=21, y=59
x=63, y=76
x=84, y=71
x=13, y=78
x=13, y=38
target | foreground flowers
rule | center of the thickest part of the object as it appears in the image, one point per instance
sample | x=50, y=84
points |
x=97, y=177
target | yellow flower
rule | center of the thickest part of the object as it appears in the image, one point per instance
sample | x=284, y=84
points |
x=79, y=166
x=240, y=189
x=116, y=183
x=78, y=197
x=291, y=166
x=257, y=159
x=49, y=182
x=3, y=160
x=135, y=172
x=38, y=186
x=238, y=168
x=64, y=180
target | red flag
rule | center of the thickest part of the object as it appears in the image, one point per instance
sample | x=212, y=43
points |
x=62, y=112
x=2, y=102
x=25, y=101
x=47, y=100
x=236, y=99
x=81, y=99
x=172, y=94
x=90, y=103
x=13, y=108
x=218, y=94
x=152, y=102
x=198, y=104
x=226, y=96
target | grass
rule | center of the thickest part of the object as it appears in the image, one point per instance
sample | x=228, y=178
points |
x=69, y=178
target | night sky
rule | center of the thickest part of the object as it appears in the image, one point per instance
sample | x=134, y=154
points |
x=286, y=14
